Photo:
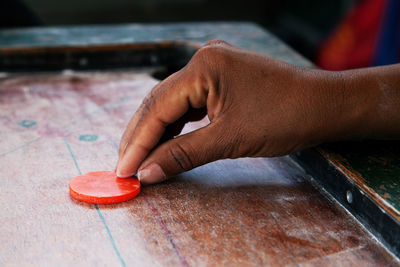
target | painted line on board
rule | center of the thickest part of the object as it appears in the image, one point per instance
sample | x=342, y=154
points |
x=157, y=215
x=20, y=147
x=110, y=235
x=97, y=209
x=165, y=230
x=72, y=156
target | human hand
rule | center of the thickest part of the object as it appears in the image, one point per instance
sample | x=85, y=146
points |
x=257, y=106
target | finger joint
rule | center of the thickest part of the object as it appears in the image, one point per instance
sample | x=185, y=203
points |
x=181, y=157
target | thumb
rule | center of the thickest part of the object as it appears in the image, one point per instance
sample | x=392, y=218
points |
x=184, y=153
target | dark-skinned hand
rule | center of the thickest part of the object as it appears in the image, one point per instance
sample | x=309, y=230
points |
x=257, y=107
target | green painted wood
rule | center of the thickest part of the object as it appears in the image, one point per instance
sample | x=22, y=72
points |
x=378, y=163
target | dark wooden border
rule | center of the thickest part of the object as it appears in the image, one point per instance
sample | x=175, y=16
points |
x=174, y=55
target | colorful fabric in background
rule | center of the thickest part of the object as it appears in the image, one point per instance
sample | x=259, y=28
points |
x=368, y=36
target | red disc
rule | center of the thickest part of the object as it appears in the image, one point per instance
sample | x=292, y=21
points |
x=103, y=187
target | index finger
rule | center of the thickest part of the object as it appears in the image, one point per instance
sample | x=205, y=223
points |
x=166, y=103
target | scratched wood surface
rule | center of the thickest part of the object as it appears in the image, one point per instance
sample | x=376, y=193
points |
x=233, y=212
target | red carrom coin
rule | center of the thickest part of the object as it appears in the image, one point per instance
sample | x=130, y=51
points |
x=103, y=187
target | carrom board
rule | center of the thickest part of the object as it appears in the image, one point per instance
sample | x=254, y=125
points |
x=58, y=123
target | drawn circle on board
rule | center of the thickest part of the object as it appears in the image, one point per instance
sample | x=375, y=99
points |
x=88, y=137
x=103, y=187
x=27, y=123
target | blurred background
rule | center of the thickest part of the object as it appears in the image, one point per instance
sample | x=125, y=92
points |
x=317, y=29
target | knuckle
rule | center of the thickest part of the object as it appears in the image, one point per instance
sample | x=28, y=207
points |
x=181, y=157
x=210, y=58
x=148, y=102
x=206, y=52
x=150, y=96
x=216, y=42
x=212, y=51
x=145, y=108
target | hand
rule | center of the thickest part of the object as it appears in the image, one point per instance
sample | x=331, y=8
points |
x=257, y=106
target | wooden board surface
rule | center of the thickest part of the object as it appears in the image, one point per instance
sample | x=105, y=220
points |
x=231, y=212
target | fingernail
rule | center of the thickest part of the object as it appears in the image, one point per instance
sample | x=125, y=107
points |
x=120, y=175
x=151, y=174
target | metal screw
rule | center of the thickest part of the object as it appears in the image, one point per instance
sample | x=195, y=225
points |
x=349, y=197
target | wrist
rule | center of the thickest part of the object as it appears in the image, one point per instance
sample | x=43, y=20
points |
x=347, y=104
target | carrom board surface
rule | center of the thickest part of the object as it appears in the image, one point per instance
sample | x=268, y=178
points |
x=255, y=212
